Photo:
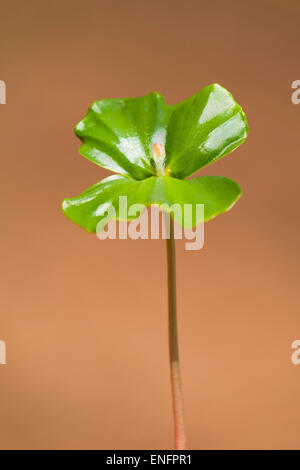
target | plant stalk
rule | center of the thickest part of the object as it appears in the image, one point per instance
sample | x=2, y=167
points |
x=177, y=399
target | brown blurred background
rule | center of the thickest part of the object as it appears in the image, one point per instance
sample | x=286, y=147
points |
x=84, y=320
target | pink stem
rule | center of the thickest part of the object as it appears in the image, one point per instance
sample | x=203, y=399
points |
x=177, y=399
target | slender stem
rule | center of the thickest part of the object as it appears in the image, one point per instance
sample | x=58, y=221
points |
x=177, y=399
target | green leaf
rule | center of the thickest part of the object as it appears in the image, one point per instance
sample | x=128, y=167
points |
x=218, y=194
x=153, y=147
x=119, y=134
x=202, y=129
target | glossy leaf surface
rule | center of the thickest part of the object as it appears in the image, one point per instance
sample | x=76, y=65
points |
x=153, y=147
x=217, y=194
x=118, y=134
x=202, y=129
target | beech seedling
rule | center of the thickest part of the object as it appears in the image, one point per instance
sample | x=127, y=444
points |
x=152, y=148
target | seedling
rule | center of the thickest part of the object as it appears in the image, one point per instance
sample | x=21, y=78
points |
x=153, y=147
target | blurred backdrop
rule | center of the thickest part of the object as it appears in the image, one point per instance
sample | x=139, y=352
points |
x=84, y=320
